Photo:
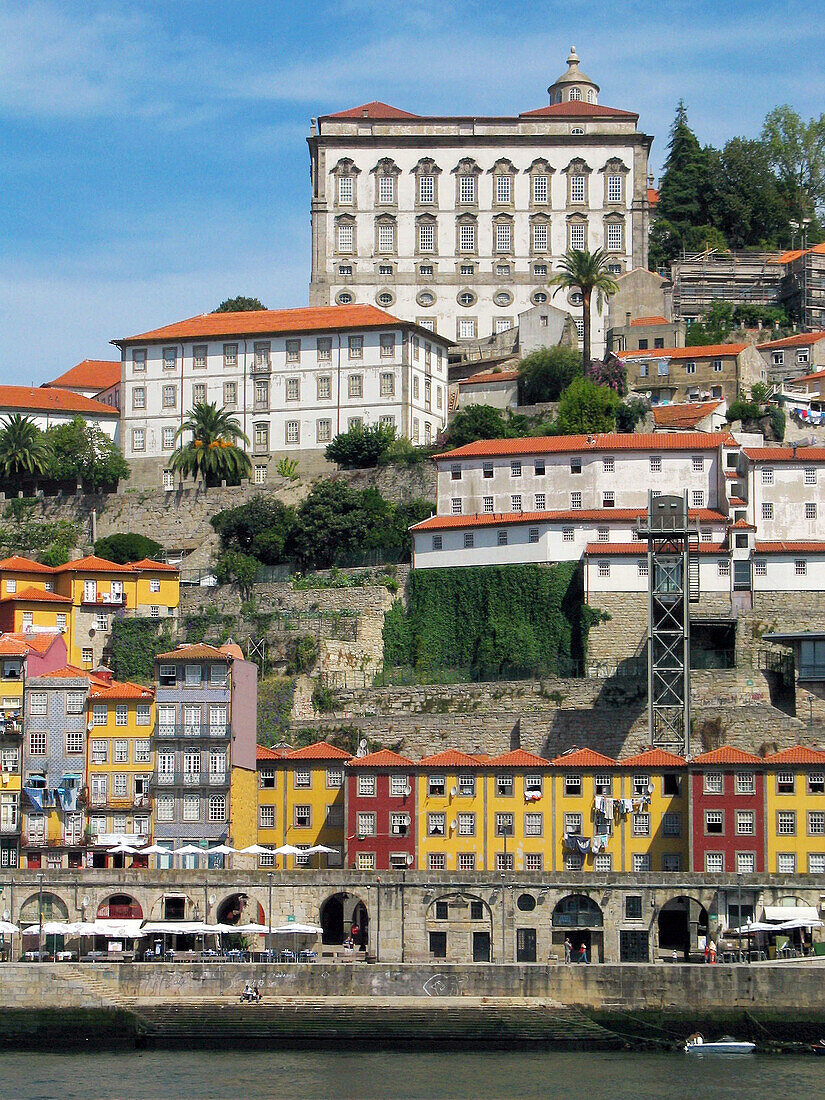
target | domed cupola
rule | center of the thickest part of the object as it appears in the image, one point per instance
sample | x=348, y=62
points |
x=573, y=85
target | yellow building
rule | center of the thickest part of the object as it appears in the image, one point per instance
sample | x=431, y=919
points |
x=119, y=766
x=271, y=798
x=519, y=812
x=795, y=811
x=654, y=834
x=580, y=777
x=450, y=812
x=18, y=573
x=311, y=811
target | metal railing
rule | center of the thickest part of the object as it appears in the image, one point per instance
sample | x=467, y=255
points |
x=185, y=730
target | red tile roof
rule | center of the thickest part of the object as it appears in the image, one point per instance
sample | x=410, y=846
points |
x=450, y=758
x=582, y=515
x=801, y=339
x=652, y=196
x=17, y=564
x=683, y=416
x=92, y=564
x=41, y=642
x=68, y=672
x=727, y=754
x=271, y=322
x=263, y=752
x=42, y=399
x=604, y=441
x=577, y=109
x=639, y=549
x=789, y=547
x=519, y=758
x=90, y=374
x=114, y=689
x=817, y=376
x=376, y=109
x=584, y=758
x=653, y=758
x=146, y=565
x=738, y=502
x=785, y=454
x=797, y=754
x=490, y=376
x=10, y=647
x=384, y=758
x=198, y=652
x=707, y=351
x=642, y=322
x=36, y=595
x=742, y=524
x=320, y=750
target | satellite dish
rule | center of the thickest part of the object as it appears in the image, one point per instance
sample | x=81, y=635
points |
x=453, y=792
x=452, y=825
x=650, y=788
x=407, y=790
x=7, y=914
x=410, y=859
x=86, y=900
x=362, y=747
x=211, y=899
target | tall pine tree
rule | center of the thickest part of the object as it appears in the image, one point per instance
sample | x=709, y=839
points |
x=686, y=184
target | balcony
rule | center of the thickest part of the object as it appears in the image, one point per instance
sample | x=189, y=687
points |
x=263, y=367
x=106, y=599
x=9, y=828
x=190, y=730
x=218, y=779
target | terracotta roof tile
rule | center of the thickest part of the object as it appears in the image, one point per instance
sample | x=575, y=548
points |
x=577, y=109
x=801, y=339
x=817, y=376
x=584, y=758
x=518, y=758
x=607, y=441
x=41, y=642
x=450, y=758
x=92, y=564
x=792, y=254
x=652, y=196
x=384, y=758
x=18, y=564
x=10, y=647
x=114, y=689
x=580, y=515
x=321, y=750
x=653, y=758
x=376, y=109
x=727, y=754
x=197, y=652
x=67, y=672
x=639, y=549
x=737, y=502
x=489, y=376
x=789, y=547
x=36, y=595
x=743, y=525
x=797, y=754
x=146, y=565
x=683, y=416
x=263, y=752
x=42, y=399
x=706, y=351
x=785, y=454
x=642, y=322
x=271, y=322
x=90, y=374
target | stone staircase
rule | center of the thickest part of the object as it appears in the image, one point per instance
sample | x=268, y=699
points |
x=489, y=1021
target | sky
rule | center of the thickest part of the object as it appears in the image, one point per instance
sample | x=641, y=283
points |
x=153, y=156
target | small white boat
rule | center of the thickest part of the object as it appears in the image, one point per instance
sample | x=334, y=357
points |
x=696, y=1044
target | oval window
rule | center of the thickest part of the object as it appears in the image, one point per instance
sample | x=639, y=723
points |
x=526, y=903
x=539, y=297
x=385, y=299
x=426, y=299
x=576, y=299
x=344, y=299
x=502, y=299
x=466, y=299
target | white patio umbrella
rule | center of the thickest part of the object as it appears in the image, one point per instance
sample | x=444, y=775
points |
x=252, y=929
x=7, y=928
x=255, y=850
x=123, y=849
x=190, y=850
x=289, y=850
x=222, y=850
x=319, y=849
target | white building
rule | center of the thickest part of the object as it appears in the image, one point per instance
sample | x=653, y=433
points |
x=51, y=407
x=571, y=498
x=293, y=378
x=458, y=222
x=97, y=379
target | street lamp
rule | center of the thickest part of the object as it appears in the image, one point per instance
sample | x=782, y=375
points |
x=40, y=917
x=269, y=921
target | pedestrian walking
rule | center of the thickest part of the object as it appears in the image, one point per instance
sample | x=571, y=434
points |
x=583, y=953
x=568, y=949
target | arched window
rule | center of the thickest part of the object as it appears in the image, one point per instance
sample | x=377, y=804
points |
x=575, y=93
x=591, y=96
x=577, y=911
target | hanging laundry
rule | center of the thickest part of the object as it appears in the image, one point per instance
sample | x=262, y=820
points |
x=608, y=806
x=599, y=842
x=598, y=803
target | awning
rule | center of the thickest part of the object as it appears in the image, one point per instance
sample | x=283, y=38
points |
x=782, y=914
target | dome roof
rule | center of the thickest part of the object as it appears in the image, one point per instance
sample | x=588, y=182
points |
x=574, y=75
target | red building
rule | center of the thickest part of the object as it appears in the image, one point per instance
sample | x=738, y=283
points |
x=380, y=812
x=728, y=812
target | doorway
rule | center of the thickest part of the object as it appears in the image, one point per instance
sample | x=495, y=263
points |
x=481, y=947
x=525, y=945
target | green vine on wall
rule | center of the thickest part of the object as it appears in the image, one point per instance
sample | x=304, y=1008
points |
x=133, y=646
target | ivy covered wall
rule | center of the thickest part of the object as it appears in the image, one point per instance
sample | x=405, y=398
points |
x=491, y=621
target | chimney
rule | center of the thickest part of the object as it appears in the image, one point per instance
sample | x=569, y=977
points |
x=365, y=113
x=627, y=319
x=103, y=673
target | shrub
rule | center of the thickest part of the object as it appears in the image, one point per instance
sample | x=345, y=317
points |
x=239, y=569
x=259, y=528
x=127, y=547
x=288, y=468
x=361, y=446
x=546, y=372
x=134, y=644
x=586, y=408
x=476, y=422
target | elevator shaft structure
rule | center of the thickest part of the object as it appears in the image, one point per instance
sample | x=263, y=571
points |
x=673, y=584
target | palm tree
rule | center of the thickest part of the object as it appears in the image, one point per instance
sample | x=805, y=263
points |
x=24, y=451
x=213, y=452
x=588, y=271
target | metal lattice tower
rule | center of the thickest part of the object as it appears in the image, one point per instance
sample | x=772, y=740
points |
x=673, y=584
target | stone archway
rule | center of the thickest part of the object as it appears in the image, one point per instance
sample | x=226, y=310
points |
x=681, y=922
x=120, y=907
x=339, y=915
x=240, y=909
x=53, y=907
x=578, y=919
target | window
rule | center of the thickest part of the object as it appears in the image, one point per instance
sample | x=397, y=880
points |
x=604, y=567
x=398, y=786
x=170, y=358
x=816, y=823
x=436, y=824
x=697, y=498
x=139, y=359
x=121, y=716
x=573, y=784
x=515, y=502
x=217, y=807
x=745, y=863
x=643, y=567
x=266, y=817
x=75, y=743
x=302, y=780
x=712, y=783
x=723, y=567
x=386, y=237
x=142, y=752
x=786, y=823
x=714, y=822
x=800, y=567
x=745, y=783
x=366, y=786
x=387, y=384
x=170, y=397
x=139, y=397
x=785, y=783
x=386, y=189
x=767, y=511
x=365, y=825
x=575, y=500
x=533, y=824
x=608, y=500
x=355, y=385
x=503, y=237
x=641, y=824
x=745, y=823
x=230, y=356
x=436, y=786
x=87, y=655
x=138, y=439
x=816, y=783
x=577, y=236
x=672, y=824
x=426, y=189
x=455, y=506
x=466, y=786
x=816, y=863
x=437, y=542
x=335, y=778
x=467, y=238
x=615, y=236
x=504, y=824
x=345, y=189
x=346, y=237
x=767, y=475
x=466, y=188
x=615, y=190
x=577, y=188
x=466, y=824
x=469, y=540
x=641, y=863
x=533, y=534
x=786, y=864
x=504, y=786
x=717, y=366
x=303, y=817
x=502, y=538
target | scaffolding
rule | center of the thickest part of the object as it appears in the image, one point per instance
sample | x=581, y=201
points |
x=673, y=584
x=702, y=278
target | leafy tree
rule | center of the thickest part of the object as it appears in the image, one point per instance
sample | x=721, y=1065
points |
x=701, y=238
x=629, y=413
x=213, y=452
x=82, y=453
x=239, y=569
x=361, y=446
x=685, y=183
x=336, y=519
x=546, y=372
x=259, y=528
x=589, y=272
x=746, y=204
x=796, y=151
x=586, y=408
x=714, y=328
x=239, y=305
x=127, y=547
x=24, y=451
x=663, y=244
x=610, y=372
x=476, y=422
x=56, y=554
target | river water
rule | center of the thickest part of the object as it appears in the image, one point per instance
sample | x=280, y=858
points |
x=461, y=1075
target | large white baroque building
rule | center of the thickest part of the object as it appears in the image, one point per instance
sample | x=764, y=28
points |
x=294, y=379
x=458, y=222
